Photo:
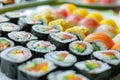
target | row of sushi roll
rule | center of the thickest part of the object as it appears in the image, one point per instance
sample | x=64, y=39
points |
x=71, y=43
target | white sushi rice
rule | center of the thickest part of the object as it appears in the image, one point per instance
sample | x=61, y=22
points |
x=18, y=36
x=69, y=72
x=99, y=55
x=9, y=27
x=88, y=50
x=15, y=14
x=55, y=36
x=81, y=66
x=32, y=44
x=9, y=41
x=18, y=58
x=51, y=67
x=69, y=60
x=38, y=28
x=3, y=19
x=116, y=39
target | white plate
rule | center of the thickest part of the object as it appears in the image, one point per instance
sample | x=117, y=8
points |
x=80, y=2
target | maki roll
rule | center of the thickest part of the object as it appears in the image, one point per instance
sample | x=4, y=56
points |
x=66, y=75
x=36, y=69
x=3, y=19
x=42, y=31
x=5, y=43
x=39, y=48
x=61, y=39
x=21, y=37
x=111, y=57
x=81, y=49
x=99, y=41
x=14, y=16
x=94, y=70
x=11, y=58
x=7, y=27
x=61, y=58
x=27, y=23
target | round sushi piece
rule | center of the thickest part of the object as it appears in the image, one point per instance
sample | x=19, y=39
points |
x=21, y=37
x=81, y=49
x=5, y=43
x=14, y=16
x=27, y=23
x=40, y=47
x=11, y=58
x=99, y=41
x=43, y=31
x=61, y=24
x=61, y=39
x=36, y=69
x=66, y=75
x=61, y=58
x=94, y=69
x=7, y=27
x=3, y=19
x=111, y=57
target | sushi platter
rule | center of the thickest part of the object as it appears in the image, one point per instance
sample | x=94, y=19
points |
x=59, y=42
x=96, y=3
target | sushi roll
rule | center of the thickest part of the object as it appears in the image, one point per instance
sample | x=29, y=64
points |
x=27, y=23
x=61, y=39
x=66, y=75
x=63, y=59
x=111, y=57
x=99, y=41
x=42, y=31
x=7, y=27
x=11, y=58
x=36, y=69
x=40, y=47
x=21, y=37
x=80, y=32
x=14, y=16
x=5, y=43
x=60, y=24
x=3, y=19
x=94, y=70
x=81, y=49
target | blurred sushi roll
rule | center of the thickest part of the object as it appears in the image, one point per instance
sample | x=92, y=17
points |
x=36, y=69
x=14, y=16
x=81, y=49
x=61, y=39
x=94, y=70
x=61, y=24
x=80, y=32
x=66, y=75
x=74, y=19
x=99, y=41
x=27, y=23
x=116, y=39
x=89, y=23
x=11, y=58
x=43, y=31
x=7, y=27
x=39, y=48
x=111, y=57
x=5, y=43
x=63, y=59
x=3, y=19
x=21, y=37
x=107, y=29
